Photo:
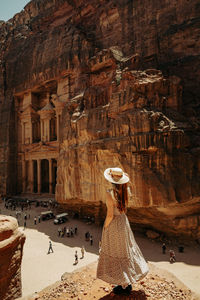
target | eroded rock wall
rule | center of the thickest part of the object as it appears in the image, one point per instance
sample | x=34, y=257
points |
x=130, y=119
x=11, y=250
x=148, y=123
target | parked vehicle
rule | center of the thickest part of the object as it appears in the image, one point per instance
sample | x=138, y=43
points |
x=47, y=215
x=61, y=218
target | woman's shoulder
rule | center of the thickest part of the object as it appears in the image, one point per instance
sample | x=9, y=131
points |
x=111, y=197
x=110, y=192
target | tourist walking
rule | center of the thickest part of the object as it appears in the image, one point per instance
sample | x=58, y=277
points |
x=68, y=232
x=120, y=261
x=59, y=231
x=35, y=220
x=72, y=232
x=38, y=219
x=82, y=251
x=87, y=236
x=50, y=247
x=76, y=258
x=172, y=256
x=24, y=224
x=163, y=248
x=75, y=229
x=91, y=240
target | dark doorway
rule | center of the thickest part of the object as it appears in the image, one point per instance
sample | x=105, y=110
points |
x=45, y=176
x=35, y=189
x=54, y=174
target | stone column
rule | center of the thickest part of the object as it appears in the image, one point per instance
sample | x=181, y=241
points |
x=50, y=176
x=23, y=176
x=39, y=176
x=42, y=129
x=23, y=133
x=31, y=133
x=31, y=176
x=57, y=125
x=48, y=130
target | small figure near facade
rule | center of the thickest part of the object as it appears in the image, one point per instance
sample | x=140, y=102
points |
x=87, y=236
x=172, y=257
x=76, y=257
x=35, y=220
x=91, y=240
x=68, y=232
x=50, y=247
x=72, y=232
x=24, y=224
x=59, y=231
x=75, y=229
x=82, y=251
x=120, y=261
x=38, y=219
x=164, y=248
x=62, y=234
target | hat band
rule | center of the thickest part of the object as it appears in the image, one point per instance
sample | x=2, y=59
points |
x=115, y=177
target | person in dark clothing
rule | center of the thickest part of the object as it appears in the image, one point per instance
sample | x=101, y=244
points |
x=50, y=247
x=76, y=258
x=91, y=240
x=75, y=230
x=164, y=248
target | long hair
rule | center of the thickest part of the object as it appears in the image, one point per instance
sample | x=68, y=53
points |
x=121, y=195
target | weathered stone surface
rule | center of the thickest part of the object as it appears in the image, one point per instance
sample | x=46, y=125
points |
x=101, y=59
x=11, y=249
x=83, y=285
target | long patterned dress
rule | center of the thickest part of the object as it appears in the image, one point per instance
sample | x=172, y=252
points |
x=120, y=261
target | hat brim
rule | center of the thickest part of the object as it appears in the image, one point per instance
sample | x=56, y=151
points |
x=122, y=180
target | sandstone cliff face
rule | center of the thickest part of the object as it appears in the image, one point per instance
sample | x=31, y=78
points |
x=116, y=112
x=11, y=249
x=130, y=119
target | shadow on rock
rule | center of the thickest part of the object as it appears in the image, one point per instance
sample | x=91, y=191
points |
x=135, y=295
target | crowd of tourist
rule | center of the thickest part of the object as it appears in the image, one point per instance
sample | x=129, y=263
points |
x=23, y=213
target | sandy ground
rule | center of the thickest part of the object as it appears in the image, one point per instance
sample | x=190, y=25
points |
x=40, y=269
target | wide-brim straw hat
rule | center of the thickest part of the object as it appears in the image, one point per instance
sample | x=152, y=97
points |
x=116, y=175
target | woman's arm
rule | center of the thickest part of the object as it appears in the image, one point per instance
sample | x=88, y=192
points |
x=109, y=215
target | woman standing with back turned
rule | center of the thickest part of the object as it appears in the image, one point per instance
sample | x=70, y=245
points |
x=120, y=261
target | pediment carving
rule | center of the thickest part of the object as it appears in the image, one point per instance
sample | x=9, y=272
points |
x=41, y=147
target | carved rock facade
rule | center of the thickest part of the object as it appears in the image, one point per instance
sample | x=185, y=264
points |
x=79, y=83
x=11, y=249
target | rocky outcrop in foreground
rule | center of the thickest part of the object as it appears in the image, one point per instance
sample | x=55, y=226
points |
x=11, y=249
x=83, y=285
